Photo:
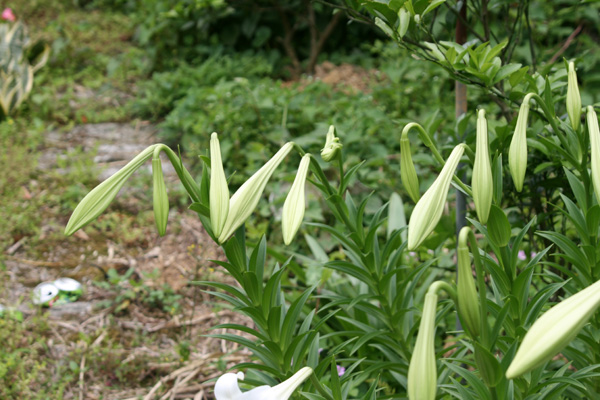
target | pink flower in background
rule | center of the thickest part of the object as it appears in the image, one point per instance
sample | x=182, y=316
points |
x=340, y=370
x=521, y=255
x=8, y=15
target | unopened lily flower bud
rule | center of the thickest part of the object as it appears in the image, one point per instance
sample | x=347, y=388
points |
x=554, y=330
x=219, y=191
x=594, y=132
x=332, y=145
x=517, y=153
x=422, y=372
x=227, y=387
x=429, y=209
x=468, y=302
x=573, y=98
x=482, y=182
x=294, y=206
x=100, y=197
x=245, y=199
x=160, y=200
x=408, y=174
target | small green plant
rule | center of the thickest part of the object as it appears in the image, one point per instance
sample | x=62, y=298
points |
x=16, y=71
x=128, y=288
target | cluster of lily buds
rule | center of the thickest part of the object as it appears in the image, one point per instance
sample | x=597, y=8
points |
x=517, y=153
x=482, y=183
x=429, y=208
x=102, y=195
x=246, y=198
x=228, y=214
x=227, y=388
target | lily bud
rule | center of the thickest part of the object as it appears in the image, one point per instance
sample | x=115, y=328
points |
x=428, y=210
x=573, y=98
x=594, y=132
x=422, y=372
x=468, y=302
x=245, y=199
x=227, y=387
x=408, y=174
x=482, y=182
x=517, y=153
x=160, y=199
x=100, y=197
x=332, y=145
x=293, y=208
x=219, y=191
x=554, y=330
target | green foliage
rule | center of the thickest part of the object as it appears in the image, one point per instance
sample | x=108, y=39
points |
x=179, y=29
x=291, y=32
x=501, y=43
x=159, y=95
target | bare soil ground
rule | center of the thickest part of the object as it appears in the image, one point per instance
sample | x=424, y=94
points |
x=345, y=77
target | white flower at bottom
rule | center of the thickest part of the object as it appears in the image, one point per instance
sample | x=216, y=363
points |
x=227, y=387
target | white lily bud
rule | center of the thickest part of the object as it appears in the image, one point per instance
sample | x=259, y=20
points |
x=227, y=387
x=160, y=200
x=429, y=209
x=482, y=182
x=554, y=330
x=594, y=132
x=245, y=199
x=294, y=206
x=573, y=98
x=219, y=191
x=422, y=372
x=332, y=145
x=517, y=153
x=101, y=196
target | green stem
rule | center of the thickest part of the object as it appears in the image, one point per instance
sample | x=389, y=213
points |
x=184, y=176
x=551, y=119
x=482, y=289
x=505, y=259
x=340, y=162
x=426, y=139
x=436, y=286
x=330, y=192
x=493, y=394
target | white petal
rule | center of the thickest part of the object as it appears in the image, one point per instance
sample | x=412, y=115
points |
x=284, y=390
x=227, y=387
x=258, y=393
